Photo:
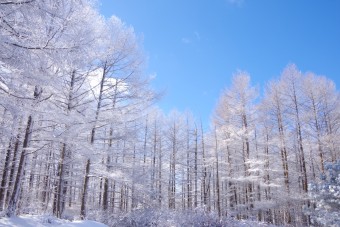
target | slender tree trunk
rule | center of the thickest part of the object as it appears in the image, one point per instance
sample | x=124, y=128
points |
x=267, y=178
x=195, y=168
x=106, y=180
x=61, y=188
x=217, y=177
x=113, y=196
x=13, y=167
x=46, y=181
x=188, y=180
x=5, y=173
x=153, y=168
x=133, y=193
x=173, y=169
x=145, y=143
x=330, y=134
x=318, y=133
x=277, y=103
x=59, y=196
x=12, y=204
x=93, y=132
x=249, y=189
x=306, y=218
x=160, y=174
x=105, y=194
x=84, y=193
x=205, y=172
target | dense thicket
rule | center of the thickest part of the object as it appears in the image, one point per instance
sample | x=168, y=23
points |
x=79, y=138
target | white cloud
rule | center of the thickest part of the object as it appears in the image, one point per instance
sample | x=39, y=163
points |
x=198, y=37
x=153, y=76
x=94, y=80
x=236, y=2
x=195, y=36
x=186, y=40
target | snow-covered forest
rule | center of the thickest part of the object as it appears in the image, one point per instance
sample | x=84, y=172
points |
x=81, y=136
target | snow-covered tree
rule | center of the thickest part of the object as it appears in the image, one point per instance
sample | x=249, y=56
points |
x=326, y=196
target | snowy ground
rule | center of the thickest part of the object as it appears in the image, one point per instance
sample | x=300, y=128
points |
x=42, y=221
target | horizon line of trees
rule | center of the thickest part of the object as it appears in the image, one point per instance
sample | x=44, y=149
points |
x=80, y=136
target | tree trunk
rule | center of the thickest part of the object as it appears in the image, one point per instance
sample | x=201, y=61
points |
x=160, y=174
x=13, y=166
x=218, y=202
x=188, y=180
x=5, y=173
x=195, y=168
x=59, y=192
x=12, y=204
x=88, y=162
x=84, y=194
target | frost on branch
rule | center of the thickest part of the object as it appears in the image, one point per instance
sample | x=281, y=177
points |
x=326, y=196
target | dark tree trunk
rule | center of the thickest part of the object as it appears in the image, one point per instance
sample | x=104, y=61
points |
x=13, y=166
x=12, y=204
x=5, y=173
x=84, y=194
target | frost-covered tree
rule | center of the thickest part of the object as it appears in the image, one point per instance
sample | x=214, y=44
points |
x=120, y=93
x=39, y=39
x=326, y=196
x=52, y=98
x=235, y=124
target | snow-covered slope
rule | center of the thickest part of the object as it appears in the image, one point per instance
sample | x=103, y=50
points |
x=42, y=221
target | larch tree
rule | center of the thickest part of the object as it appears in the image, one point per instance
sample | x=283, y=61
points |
x=120, y=90
x=234, y=119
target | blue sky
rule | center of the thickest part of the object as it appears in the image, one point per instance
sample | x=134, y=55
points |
x=194, y=46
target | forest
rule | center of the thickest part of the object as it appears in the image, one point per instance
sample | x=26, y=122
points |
x=81, y=136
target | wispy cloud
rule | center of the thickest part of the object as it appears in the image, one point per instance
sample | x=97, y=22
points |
x=153, y=76
x=197, y=35
x=186, y=40
x=238, y=3
x=194, y=37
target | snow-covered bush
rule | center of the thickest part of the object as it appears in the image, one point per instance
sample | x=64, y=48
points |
x=176, y=218
x=326, y=197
